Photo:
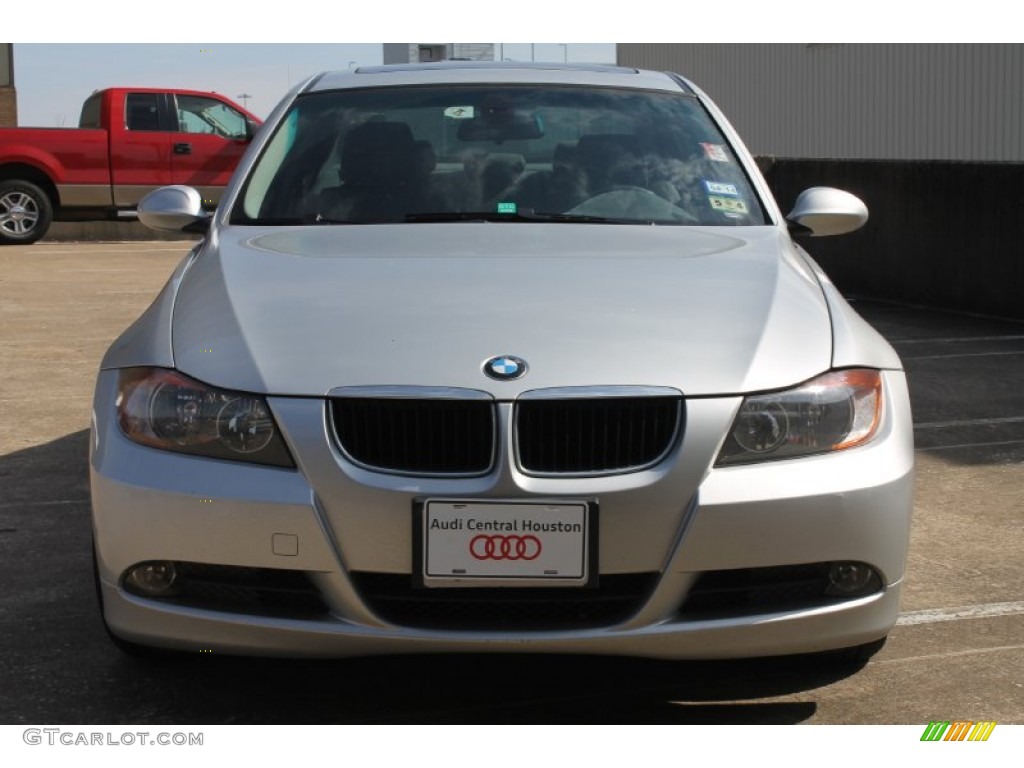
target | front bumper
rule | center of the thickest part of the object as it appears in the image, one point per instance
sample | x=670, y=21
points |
x=329, y=519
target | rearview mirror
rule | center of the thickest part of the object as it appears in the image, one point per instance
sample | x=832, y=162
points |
x=827, y=211
x=498, y=124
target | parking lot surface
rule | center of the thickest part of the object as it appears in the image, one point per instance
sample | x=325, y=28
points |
x=958, y=652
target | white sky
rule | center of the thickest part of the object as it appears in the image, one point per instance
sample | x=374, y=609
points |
x=53, y=80
x=259, y=53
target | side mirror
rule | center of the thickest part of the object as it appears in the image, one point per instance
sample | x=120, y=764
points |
x=826, y=211
x=174, y=209
x=251, y=126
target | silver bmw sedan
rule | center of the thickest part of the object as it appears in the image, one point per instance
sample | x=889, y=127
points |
x=511, y=358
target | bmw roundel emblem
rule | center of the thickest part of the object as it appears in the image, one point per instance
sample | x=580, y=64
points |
x=505, y=367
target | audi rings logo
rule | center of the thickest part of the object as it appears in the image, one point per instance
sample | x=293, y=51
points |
x=485, y=547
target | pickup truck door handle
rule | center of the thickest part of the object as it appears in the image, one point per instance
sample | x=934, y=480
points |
x=183, y=148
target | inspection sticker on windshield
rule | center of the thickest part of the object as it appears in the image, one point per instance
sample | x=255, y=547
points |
x=459, y=113
x=720, y=188
x=715, y=152
x=727, y=204
x=506, y=541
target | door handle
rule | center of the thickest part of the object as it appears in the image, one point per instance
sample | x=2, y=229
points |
x=183, y=148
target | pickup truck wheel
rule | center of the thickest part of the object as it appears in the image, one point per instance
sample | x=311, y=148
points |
x=25, y=213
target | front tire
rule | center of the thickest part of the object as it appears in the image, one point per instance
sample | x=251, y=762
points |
x=25, y=212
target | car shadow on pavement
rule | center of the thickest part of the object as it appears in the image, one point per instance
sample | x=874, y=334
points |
x=473, y=689
x=58, y=665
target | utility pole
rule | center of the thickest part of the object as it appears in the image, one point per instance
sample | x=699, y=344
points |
x=245, y=99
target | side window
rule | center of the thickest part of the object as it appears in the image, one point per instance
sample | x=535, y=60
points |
x=90, y=112
x=142, y=112
x=198, y=114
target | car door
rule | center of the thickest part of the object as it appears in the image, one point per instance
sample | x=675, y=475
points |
x=140, y=147
x=211, y=137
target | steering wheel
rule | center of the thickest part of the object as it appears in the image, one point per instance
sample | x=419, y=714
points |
x=631, y=202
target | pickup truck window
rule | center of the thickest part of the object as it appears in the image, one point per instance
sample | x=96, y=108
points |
x=91, y=112
x=142, y=112
x=197, y=114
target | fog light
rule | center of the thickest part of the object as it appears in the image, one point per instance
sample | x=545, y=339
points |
x=852, y=580
x=154, y=579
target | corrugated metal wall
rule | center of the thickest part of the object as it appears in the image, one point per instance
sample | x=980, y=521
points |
x=872, y=101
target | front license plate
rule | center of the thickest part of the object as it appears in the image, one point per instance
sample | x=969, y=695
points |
x=506, y=543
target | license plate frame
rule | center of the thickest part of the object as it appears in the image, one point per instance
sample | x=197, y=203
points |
x=519, y=552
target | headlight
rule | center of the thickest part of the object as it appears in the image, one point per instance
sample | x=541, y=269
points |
x=839, y=410
x=164, y=409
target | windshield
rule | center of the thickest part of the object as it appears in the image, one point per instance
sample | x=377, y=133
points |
x=497, y=153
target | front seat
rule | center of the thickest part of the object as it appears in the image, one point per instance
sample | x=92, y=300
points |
x=378, y=174
x=609, y=160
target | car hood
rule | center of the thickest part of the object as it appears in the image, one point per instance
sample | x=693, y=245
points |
x=302, y=311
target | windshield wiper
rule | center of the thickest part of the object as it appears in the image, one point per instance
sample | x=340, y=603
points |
x=519, y=216
x=319, y=218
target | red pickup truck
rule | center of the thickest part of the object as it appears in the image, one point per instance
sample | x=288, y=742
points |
x=129, y=141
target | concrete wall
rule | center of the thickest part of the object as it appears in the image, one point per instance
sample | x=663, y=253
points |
x=940, y=234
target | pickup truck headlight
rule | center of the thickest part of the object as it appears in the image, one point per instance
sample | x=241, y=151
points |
x=838, y=410
x=165, y=409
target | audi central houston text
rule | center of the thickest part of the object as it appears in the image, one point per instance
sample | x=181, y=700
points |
x=500, y=357
x=506, y=525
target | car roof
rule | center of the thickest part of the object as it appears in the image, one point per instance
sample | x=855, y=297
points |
x=451, y=72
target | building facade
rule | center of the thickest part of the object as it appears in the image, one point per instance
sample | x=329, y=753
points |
x=8, y=96
x=859, y=101
x=405, y=53
x=931, y=137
